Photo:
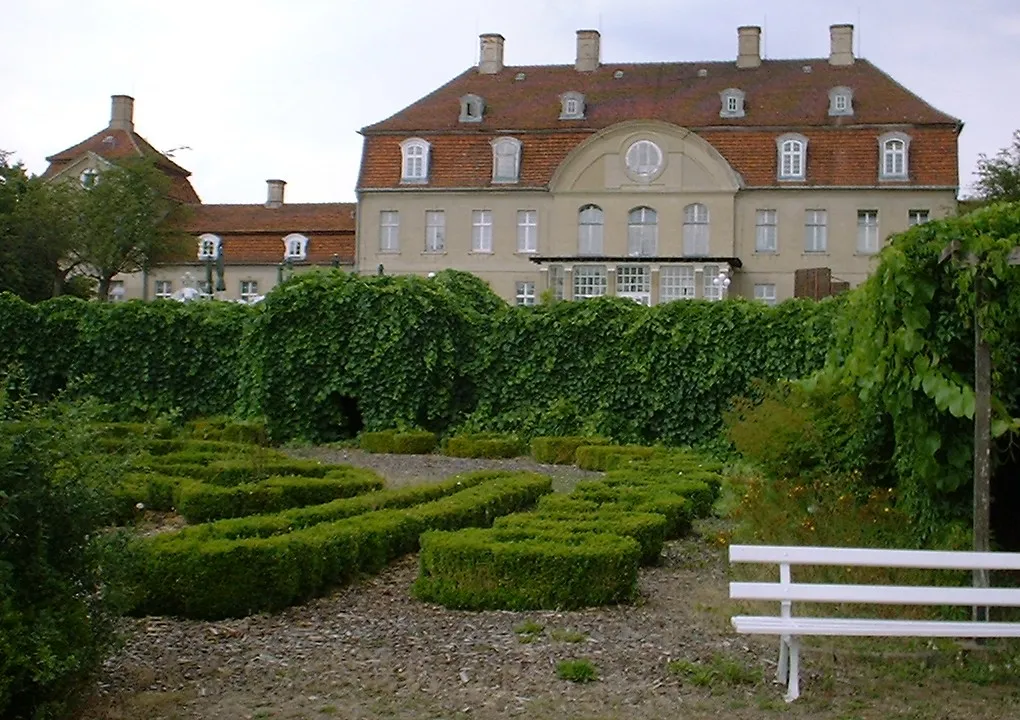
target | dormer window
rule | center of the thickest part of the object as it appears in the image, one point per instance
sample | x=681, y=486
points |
x=208, y=247
x=792, y=160
x=415, y=152
x=472, y=107
x=732, y=103
x=894, y=156
x=295, y=247
x=506, y=160
x=841, y=101
x=572, y=106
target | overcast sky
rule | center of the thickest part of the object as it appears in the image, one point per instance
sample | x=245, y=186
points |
x=259, y=89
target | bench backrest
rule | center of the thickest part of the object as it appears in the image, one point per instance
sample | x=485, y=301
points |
x=786, y=590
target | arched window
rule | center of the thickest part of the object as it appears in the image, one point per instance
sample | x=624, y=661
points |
x=506, y=160
x=642, y=232
x=295, y=247
x=792, y=157
x=589, y=230
x=208, y=247
x=415, y=152
x=894, y=149
x=696, y=229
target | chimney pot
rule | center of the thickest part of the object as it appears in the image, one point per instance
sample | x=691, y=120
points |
x=588, y=51
x=841, y=38
x=490, y=59
x=122, y=113
x=274, y=195
x=748, y=46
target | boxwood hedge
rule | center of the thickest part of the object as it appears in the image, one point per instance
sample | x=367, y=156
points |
x=484, y=445
x=415, y=442
x=648, y=529
x=551, y=450
x=609, y=457
x=526, y=569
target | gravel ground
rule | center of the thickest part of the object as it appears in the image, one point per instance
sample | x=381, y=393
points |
x=371, y=651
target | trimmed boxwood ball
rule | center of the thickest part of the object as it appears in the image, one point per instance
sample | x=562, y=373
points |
x=484, y=445
x=553, y=450
x=519, y=569
x=609, y=457
x=648, y=529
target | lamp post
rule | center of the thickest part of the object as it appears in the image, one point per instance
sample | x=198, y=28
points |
x=721, y=281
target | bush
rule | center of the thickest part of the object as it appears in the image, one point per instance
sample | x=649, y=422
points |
x=561, y=450
x=484, y=445
x=576, y=671
x=609, y=457
x=200, y=578
x=249, y=432
x=676, y=508
x=202, y=502
x=648, y=529
x=515, y=569
x=415, y=442
x=253, y=469
x=700, y=493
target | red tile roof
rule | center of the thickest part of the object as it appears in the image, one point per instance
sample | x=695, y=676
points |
x=111, y=144
x=779, y=97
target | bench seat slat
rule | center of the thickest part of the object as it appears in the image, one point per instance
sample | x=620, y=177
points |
x=866, y=557
x=866, y=627
x=876, y=594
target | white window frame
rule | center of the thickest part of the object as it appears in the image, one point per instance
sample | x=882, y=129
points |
x=590, y=281
x=635, y=282
x=389, y=231
x=208, y=246
x=481, y=231
x=116, y=296
x=766, y=231
x=572, y=106
x=697, y=233
x=435, y=231
x=557, y=278
x=249, y=290
x=791, y=150
x=527, y=231
x=841, y=101
x=894, y=156
x=590, y=230
x=472, y=108
x=506, y=160
x=677, y=282
x=816, y=230
x=642, y=232
x=414, y=153
x=709, y=290
x=163, y=289
x=765, y=292
x=295, y=247
x=526, y=292
x=644, y=160
x=918, y=217
x=867, y=232
x=732, y=103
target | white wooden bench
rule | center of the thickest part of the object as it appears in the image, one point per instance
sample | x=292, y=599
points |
x=791, y=628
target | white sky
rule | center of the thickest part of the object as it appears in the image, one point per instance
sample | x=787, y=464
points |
x=269, y=88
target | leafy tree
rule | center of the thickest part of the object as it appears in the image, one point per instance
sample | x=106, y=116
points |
x=125, y=222
x=999, y=177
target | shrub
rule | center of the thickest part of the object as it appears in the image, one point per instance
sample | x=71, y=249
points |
x=153, y=490
x=253, y=469
x=249, y=432
x=648, y=529
x=576, y=671
x=608, y=457
x=484, y=445
x=675, y=507
x=202, y=502
x=377, y=442
x=415, y=442
x=561, y=450
x=700, y=494
x=515, y=569
x=200, y=578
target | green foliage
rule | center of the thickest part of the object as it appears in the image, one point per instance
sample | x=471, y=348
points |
x=561, y=450
x=648, y=529
x=57, y=596
x=608, y=457
x=999, y=176
x=577, y=671
x=720, y=670
x=229, y=430
x=520, y=568
x=484, y=445
x=186, y=574
x=414, y=442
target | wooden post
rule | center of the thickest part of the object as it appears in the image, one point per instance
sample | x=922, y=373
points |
x=982, y=444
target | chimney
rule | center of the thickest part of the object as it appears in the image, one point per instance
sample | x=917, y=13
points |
x=274, y=196
x=841, y=39
x=490, y=60
x=122, y=113
x=748, y=46
x=588, y=51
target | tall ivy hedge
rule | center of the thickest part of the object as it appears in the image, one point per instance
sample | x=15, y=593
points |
x=329, y=353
